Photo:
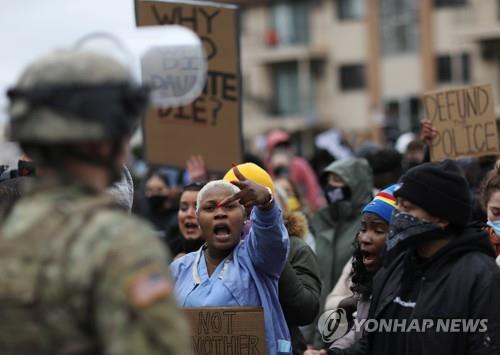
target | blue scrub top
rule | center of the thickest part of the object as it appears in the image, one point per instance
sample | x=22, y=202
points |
x=211, y=289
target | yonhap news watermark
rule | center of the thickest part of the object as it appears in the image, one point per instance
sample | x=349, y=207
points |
x=333, y=324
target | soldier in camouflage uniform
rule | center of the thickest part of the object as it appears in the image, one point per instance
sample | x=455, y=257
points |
x=77, y=275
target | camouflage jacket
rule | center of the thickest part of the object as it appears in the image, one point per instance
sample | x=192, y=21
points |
x=78, y=276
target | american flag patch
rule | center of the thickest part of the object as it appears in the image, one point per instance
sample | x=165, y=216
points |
x=148, y=287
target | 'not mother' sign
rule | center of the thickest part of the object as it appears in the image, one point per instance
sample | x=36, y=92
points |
x=227, y=331
x=465, y=121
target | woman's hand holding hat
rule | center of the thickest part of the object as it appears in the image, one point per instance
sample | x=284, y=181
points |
x=250, y=194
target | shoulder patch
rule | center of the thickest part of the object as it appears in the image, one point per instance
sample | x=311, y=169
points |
x=146, y=287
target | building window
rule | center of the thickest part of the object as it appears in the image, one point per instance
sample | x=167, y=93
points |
x=391, y=126
x=402, y=115
x=453, y=68
x=465, y=63
x=286, y=99
x=399, y=26
x=444, y=69
x=352, y=77
x=415, y=113
x=446, y=3
x=290, y=22
x=350, y=9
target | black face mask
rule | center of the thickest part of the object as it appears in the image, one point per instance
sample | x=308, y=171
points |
x=336, y=194
x=190, y=245
x=156, y=202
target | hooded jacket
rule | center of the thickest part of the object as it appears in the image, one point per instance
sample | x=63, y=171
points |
x=335, y=226
x=461, y=281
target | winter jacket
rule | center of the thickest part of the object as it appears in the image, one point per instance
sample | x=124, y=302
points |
x=336, y=226
x=299, y=291
x=461, y=281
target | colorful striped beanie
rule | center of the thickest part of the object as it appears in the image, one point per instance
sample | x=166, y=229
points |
x=383, y=204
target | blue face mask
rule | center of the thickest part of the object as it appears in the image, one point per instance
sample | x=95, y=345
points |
x=495, y=225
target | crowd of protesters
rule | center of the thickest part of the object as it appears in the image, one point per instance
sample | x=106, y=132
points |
x=370, y=234
x=379, y=233
x=382, y=235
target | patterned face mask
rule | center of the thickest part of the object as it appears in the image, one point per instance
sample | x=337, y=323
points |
x=405, y=231
x=337, y=194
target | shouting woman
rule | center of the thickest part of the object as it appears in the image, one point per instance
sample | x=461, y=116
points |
x=232, y=272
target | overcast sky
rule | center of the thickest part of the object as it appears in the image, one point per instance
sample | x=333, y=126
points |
x=29, y=28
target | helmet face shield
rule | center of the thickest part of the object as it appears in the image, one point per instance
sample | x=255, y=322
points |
x=86, y=94
x=169, y=60
x=174, y=73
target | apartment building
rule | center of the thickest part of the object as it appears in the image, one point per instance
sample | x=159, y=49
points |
x=360, y=65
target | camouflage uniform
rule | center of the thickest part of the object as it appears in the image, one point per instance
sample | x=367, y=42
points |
x=77, y=274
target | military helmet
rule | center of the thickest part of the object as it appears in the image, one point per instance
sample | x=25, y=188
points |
x=74, y=96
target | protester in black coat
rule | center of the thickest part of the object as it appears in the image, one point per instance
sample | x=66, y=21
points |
x=437, y=270
x=299, y=284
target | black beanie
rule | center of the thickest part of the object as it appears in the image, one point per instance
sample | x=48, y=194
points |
x=440, y=189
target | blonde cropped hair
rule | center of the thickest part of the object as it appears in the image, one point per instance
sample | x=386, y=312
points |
x=216, y=184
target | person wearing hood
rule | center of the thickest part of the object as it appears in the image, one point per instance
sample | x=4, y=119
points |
x=348, y=189
x=438, y=268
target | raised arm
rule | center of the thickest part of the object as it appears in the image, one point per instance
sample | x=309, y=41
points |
x=267, y=242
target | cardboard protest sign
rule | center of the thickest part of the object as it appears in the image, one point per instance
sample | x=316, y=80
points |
x=227, y=331
x=465, y=120
x=211, y=124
